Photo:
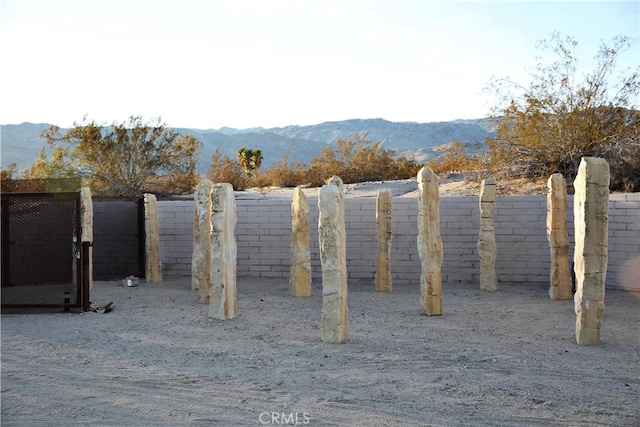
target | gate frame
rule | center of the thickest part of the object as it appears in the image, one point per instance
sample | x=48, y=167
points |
x=81, y=252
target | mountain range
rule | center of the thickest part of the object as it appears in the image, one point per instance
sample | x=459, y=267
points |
x=21, y=143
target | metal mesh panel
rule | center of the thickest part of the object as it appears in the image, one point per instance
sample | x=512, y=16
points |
x=39, y=262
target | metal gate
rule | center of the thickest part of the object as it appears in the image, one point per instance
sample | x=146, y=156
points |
x=43, y=259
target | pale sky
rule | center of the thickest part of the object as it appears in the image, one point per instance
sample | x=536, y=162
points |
x=247, y=63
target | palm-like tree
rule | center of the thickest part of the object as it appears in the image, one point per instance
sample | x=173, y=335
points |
x=250, y=159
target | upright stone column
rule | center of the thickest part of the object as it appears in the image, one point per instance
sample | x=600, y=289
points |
x=153, y=265
x=384, y=282
x=222, y=300
x=300, y=276
x=560, y=276
x=201, y=258
x=86, y=209
x=429, y=242
x=487, y=236
x=333, y=256
x=590, y=210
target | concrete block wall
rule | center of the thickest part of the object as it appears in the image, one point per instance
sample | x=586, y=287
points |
x=624, y=241
x=264, y=227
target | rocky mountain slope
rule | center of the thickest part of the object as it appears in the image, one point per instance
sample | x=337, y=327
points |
x=21, y=143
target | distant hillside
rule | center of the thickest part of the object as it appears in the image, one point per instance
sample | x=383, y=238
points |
x=21, y=144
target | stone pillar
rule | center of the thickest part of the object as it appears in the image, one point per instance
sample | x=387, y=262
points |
x=487, y=236
x=429, y=242
x=560, y=277
x=86, y=209
x=153, y=273
x=384, y=282
x=590, y=210
x=222, y=300
x=201, y=258
x=300, y=276
x=332, y=239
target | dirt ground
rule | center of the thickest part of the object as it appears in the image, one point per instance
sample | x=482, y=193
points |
x=505, y=358
x=454, y=184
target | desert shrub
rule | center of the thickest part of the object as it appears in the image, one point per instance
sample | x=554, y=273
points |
x=223, y=169
x=561, y=116
x=454, y=158
x=624, y=164
x=283, y=174
x=358, y=159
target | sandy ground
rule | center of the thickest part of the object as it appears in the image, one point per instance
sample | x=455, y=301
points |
x=452, y=185
x=505, y=358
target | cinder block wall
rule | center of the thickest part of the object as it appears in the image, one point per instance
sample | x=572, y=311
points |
x=115, y=239
x=264, y=227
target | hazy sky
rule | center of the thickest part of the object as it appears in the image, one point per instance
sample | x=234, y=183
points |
x=246, y=63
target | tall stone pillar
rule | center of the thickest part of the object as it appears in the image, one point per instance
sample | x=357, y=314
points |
x=153, y=273
x=487, y=237
x=222, y=300
x=560, y=276
x=201, y=258
x=300, y=276
x=333, y=257
x=86, y=209
x=429, y=242
x=384, y=282
x=590, y=210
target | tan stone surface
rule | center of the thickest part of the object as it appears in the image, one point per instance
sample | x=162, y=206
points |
x=153, y=273
x=560, y=286
x=384, y=282
x=86, y=208
x=332, y=240
x=201, y=258
x=487, y=239
x=429, y=242
x=300, y=276
x=222, y=300
x=590, y=209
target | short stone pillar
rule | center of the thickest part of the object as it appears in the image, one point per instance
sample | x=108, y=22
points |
x=222, y=300
x=153, y=266
x=429, y=242
x=86, y=213
x=333, y=257
x=300, y=275
x=590, y=210
x=487, y=236
x=201, y=258
x=560, y=276
x=384, y=282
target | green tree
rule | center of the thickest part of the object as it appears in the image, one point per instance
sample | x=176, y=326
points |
x=250, y=159
x=548, y=126
x=127, y=159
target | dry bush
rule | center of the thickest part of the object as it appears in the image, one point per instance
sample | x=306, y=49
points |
x=358, y=159
x=223, y=169
x=454, y=159
x=624, y=163
x=284, y=175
